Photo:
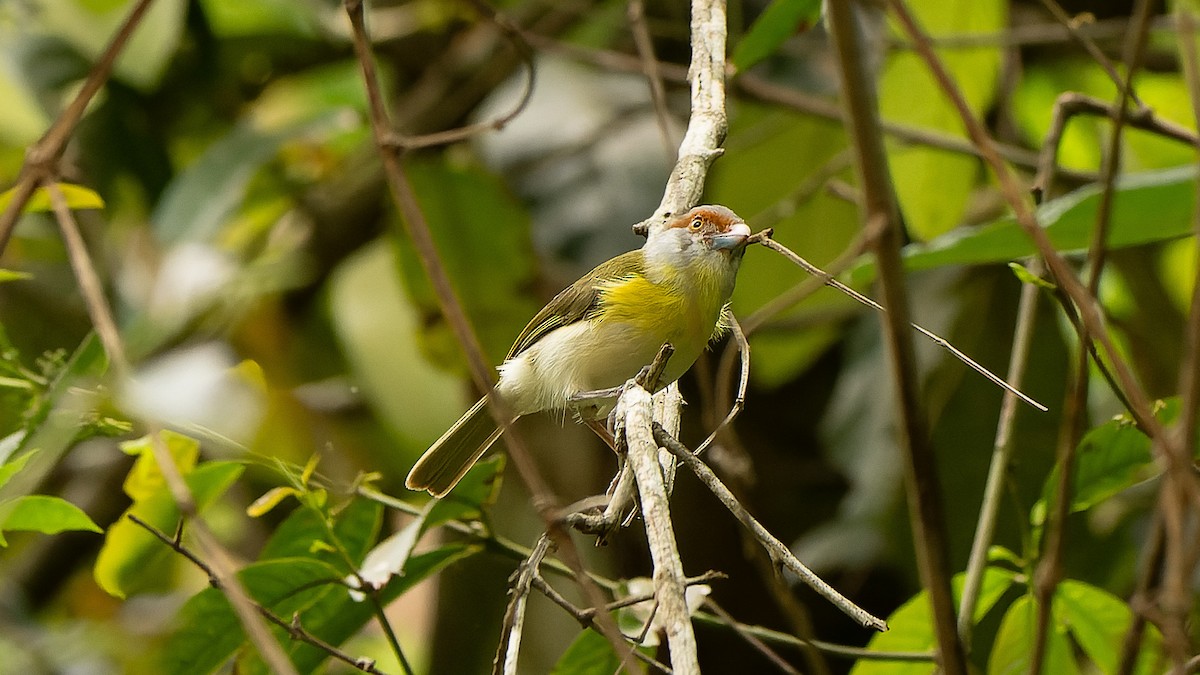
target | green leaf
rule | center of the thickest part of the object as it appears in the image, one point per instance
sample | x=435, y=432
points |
x=145, y=478
x=77, y=196
x=910, y=628
x=11, y=275
x=482, y=236
x=1026, y=277
x=201, y=199
x=779, y=21
x=588, y=654
x=377, y=327
x=1098, y=621
x=477, y=490
x=356, y=526
x=1013, y=648
x=130, y=553
x=336, y=617
x=933, y=186
x=1150, y=207
x=1109, y=459
x=209, y=633
x=45, y=514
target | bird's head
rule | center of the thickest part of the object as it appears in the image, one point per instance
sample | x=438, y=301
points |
x=707, y=241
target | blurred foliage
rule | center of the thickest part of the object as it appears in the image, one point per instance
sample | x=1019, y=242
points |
x=288, y=350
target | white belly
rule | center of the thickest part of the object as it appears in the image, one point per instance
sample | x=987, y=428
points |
x=584, y=356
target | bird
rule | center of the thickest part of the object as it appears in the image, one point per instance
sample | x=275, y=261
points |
x=599, y=332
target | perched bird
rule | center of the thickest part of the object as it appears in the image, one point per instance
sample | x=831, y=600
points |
x=602, y=330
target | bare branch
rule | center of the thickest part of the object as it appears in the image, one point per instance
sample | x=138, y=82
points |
x=780, y=553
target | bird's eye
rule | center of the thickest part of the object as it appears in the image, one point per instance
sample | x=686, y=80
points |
x=696, y=223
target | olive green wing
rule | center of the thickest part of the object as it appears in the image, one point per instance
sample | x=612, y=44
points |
x=578, y=301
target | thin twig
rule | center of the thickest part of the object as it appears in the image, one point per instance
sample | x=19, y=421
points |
x=830, y=281
x=1072, y=103
x=861, y=113
x=294, y=629
x=752, y=639
x=481, y=373
x=780, y=553
x=1049, y=568
x=739, y=401
x=1002, y=449
x=1073, y=29
x=658, y=93
x=514, y=616
x=515, y=36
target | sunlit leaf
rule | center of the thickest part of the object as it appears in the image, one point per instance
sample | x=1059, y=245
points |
x=779, y=21
x=1013, y=649
x=1098, y=621
x=77, y=197
x=9, y=469
x=933, y=185
x=1027, y=277
x=44, y=513
x=269, y=500
x=145, y=478
x=130, y=553
x=355, y=527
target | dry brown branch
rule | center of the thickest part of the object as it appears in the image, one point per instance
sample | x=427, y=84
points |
x=513, y=627
x=878, y=204
x=752, y=639
x=650, y=67
x=482, y=374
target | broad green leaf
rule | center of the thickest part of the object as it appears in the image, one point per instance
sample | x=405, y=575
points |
x=130, y=553
x=356, y=526
x=1149, y=207
x=477, y=490
x=779, y=21
x=1109, y=459
x=236, y=19
x=933, y=186
x=208, y=632
x=1098, y=621
x=145, y=478
x=336, y=617
x=1013, y=649
x=910, y=628
x=588, y=654
x=44, y=513
x=482, y=236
